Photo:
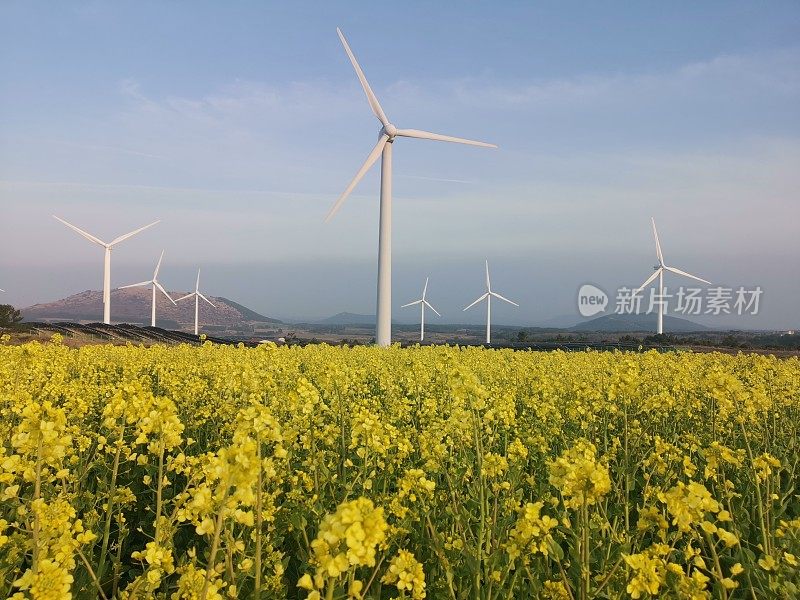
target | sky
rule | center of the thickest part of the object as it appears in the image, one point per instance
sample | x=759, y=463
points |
x=238, y=124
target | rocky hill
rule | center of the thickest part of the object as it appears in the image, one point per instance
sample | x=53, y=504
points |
x=132, y=305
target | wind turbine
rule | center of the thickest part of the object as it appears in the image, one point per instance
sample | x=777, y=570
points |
x=659, y=272
x=156, y=285
x=107, y=261
x=386, y=137
x=422, y=304
x=488, y=297
x=197, y=295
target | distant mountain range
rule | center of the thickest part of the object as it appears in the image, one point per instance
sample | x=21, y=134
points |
x=631, y=323
x=132, y=305
x=347, y=318
x=606, y=323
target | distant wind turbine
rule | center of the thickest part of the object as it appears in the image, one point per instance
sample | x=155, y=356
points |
x=386, y=137
x=107, y=261
x=488, y=297
x=197, y=295
x=156, y=285
x=422, y=303
x=659, y=272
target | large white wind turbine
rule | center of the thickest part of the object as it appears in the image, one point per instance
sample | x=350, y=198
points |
x=107, y=261
x=386, y=136
x=197, y=295
x=659, y=272
x=488, y=297
x=422, y=304
x=156, y=285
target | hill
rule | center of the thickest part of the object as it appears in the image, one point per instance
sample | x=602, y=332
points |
x=132, y=305
x=630, y=323
x=347, y=318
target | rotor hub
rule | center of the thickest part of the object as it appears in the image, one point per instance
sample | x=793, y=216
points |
x=390, y=130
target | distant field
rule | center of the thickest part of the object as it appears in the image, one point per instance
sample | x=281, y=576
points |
x=325, y=472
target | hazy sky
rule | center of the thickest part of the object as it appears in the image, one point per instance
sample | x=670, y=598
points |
x=239, y=123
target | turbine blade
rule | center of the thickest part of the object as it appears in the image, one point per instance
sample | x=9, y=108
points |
x=158, y=266
x=411, y=303
x=496, y=295
x=80, y=231
x=206, y=299
x=371, y=98
x=425, y=289
x=124, y=237
x=488, y=284
x=429, y=305
x=163, y=291
x=185, y=297
x=648, y=280
x=140, y=284
x=373, y=156
x=427, y=135
x=685, y=274
x=658, y=244
x=476, y=301
x=197, y=283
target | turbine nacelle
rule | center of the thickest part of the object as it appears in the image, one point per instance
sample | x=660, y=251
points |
x=389, y=130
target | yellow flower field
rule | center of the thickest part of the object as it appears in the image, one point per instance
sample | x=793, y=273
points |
x=434, y=472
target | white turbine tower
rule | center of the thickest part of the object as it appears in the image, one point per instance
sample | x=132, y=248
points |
x=386, y=136
x=107, y=261
x=659, y=272
x=488, y=297
x=156, y=285
x=197, y=295
x=422, y=303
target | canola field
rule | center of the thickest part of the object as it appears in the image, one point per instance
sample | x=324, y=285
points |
x=434, y=472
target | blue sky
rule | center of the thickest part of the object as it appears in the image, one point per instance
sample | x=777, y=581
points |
x=238, y=124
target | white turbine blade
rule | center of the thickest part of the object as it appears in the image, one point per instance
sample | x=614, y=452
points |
x=371, y=98
x=425, y=289
x=685, y=274
x=185, y=297
x=163, y=291
x=488, y=284
x=476, y=301
x=496, y=295
x=658, y=244
x=197, y=283
x=429, y=305
x=140, y=284
x=158, y=266
x=412, y=303
x=648, y=280
x=80, y=231
x=124, y=237
x=206, y=299
x=427, y=135
x=373, y=156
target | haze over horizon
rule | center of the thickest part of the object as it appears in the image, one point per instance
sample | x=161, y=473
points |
x=239, y=127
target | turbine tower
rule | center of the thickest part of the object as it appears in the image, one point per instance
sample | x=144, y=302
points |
x=197, y=295
x=388, y=133
x=488, y=297
x=659, y=272
x=156, y=285
x=107, y=260
x=422, y=303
